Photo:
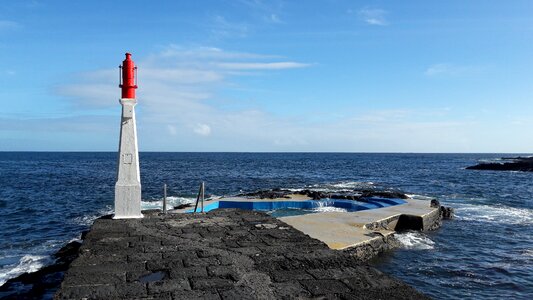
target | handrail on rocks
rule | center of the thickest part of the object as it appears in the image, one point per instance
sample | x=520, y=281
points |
x=201, y=196
x=165, y=198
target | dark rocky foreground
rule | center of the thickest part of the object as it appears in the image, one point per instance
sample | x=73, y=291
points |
x=524, y=164
x=44, y=282
x=224, y=254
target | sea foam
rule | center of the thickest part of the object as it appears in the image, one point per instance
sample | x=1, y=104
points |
x=494, y=214
x=342, y=186
x=329, y=209
x=27, y=264
x=414, y=240
x=172, y=201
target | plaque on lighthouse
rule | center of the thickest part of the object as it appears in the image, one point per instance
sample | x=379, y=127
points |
x=128, y=185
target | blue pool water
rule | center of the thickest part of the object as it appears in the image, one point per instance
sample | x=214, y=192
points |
x=47, y=199
x=309, y=205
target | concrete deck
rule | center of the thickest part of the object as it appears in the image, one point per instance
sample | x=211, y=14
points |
x=342, y=230
x=223, y=254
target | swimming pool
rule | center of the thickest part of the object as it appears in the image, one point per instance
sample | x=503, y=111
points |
x=306, y=205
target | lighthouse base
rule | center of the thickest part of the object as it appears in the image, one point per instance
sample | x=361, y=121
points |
x=127, y=202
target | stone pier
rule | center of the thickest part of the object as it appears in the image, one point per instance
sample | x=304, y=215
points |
x=223, y=254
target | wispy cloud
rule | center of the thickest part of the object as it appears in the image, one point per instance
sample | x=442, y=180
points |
x=177, y=87
x=452, y=70
x=274, y=18
x=181, y=109
x=202, y=129
x=268, y=11
x=263, y=66
x=223, y=28
x=8, y=25
x=373, y=16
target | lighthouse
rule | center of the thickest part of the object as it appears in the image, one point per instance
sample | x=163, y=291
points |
x=128, y=185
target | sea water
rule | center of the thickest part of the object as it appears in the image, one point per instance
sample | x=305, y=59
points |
x=47, y=199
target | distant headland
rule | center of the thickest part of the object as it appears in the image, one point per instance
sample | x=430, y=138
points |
x=524, y=164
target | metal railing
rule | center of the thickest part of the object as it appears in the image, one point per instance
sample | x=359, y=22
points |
x=165, y=198
x=200, y=197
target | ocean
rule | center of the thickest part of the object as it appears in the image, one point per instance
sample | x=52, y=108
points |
x=47, y=199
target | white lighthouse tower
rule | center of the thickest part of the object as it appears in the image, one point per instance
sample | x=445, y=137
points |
x=128, y=185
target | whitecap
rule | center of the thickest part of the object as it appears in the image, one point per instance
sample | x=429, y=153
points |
x=342, y=186
x=172, y=201
x=27, y=264
x=493, y=214
x=87, y=220
x=527, y=253
x=414, y=240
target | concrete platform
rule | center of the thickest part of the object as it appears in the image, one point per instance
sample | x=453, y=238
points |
x=342, y=230
x=223, y=254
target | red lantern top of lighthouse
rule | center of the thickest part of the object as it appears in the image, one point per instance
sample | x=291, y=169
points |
x=128, y=82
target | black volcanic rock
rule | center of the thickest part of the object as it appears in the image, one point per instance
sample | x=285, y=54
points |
x=268, y=194
x=524, y=164
x=43, y=283
x=447, y=212
x=317, y=195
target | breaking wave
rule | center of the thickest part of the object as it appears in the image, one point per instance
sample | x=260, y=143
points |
x=494, y=214
x=88, y=220
x=415, y=240
x=342, y=186
x=27, y=264
x=172, y=201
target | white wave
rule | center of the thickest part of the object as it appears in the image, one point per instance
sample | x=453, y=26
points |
x=88, y=220
x=329, y=209
x=292, y=189
x=493, y=214
x=419, y=197
x=415, y=240
x=27, y=264
x=352, y=184
x=172, y=201
x=527, y=253
x=342, y=186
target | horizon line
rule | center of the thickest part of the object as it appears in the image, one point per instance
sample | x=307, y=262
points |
x=261, y=152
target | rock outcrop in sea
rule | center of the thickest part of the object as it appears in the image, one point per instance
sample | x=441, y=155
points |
x=359, y=195
x=524, y=164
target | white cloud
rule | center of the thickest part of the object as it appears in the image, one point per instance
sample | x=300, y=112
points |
x=373, y=16
x=176, y=110
x=202, y=129
x=176, y=90
x=263, y=66
x=452, y=70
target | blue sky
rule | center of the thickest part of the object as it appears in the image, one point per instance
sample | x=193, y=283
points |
x=252, y=75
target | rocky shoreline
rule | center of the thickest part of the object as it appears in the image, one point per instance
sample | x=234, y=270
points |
x=44, y=282
x=523, y=164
